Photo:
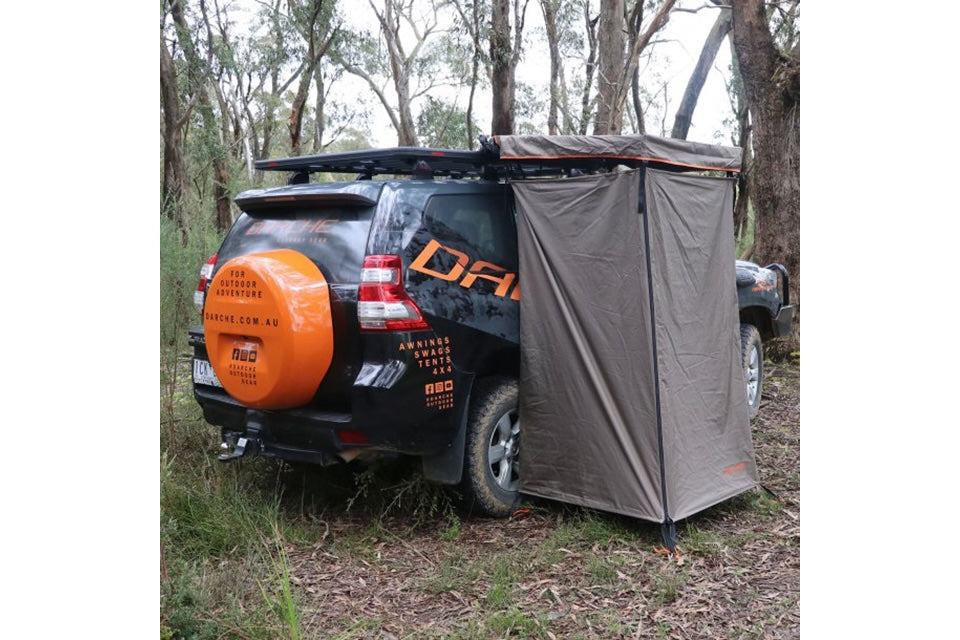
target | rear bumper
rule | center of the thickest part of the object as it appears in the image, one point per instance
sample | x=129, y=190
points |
x=303, y=435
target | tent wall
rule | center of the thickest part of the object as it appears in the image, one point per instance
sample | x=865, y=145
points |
x=707, y=447
x=587, y=405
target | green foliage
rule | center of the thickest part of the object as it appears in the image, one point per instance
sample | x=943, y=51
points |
x=530, y=105
x=503, y=582
x=513, y=623
x=443, y=124
x=454, y=573
x=668, y=584
x=758, y=501
x=279, y=596
x=603, y=569
x=396, y=487
x=211, y=514
x=179, y=272
x=452, y=531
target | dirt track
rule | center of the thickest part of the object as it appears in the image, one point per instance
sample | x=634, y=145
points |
x=558, y=572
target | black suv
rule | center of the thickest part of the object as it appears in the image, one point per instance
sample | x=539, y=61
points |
x=348, y=319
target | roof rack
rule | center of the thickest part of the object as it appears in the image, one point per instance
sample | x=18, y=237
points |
x=395, y=161
x=487, y=162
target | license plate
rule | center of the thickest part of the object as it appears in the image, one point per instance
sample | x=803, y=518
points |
x=203, y=373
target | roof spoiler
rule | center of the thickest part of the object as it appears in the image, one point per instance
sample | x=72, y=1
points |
x=253, y=201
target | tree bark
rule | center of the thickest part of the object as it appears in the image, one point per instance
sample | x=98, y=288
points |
x=502, y=81
x=472, y=24
x=474, y=73
x=771, y=80
x=550, y=8
x=635, y=22
x=319, y=116
x=590, y=69
x=200, y=71
x=315, y=53
x=738, y=102
x=174, y=167
x=277, y=88
x=610, y=37
x=639, y=44
x=681, y=123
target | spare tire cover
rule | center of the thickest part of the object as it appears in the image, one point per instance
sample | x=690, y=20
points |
x=268, y=328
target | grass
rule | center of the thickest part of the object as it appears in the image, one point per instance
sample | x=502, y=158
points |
x=667, y=585
x=603, y=569
x=454, y=573
x=504, y=578
x=279, y=596
x=702, y=542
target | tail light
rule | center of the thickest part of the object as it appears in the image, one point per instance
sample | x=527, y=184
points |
x=383, y=303
x=206, y=274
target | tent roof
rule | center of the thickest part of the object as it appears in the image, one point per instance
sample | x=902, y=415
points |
x=630, y=148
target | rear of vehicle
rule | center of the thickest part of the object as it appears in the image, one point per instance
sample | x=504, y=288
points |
x=344, y=320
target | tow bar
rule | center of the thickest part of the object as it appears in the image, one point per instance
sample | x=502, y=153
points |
x=243, y=447
x=235, y=446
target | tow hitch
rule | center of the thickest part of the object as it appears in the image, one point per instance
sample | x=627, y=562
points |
x=234, y=447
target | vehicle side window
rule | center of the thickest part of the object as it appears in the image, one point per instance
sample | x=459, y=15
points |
x=483, y=226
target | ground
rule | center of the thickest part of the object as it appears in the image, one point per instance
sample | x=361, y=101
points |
x=551, y=571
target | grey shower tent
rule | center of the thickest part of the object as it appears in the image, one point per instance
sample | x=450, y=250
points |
x=631, y=393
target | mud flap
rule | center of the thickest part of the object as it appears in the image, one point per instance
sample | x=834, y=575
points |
x=446, y=467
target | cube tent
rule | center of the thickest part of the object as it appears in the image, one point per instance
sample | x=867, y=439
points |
x=632, y=394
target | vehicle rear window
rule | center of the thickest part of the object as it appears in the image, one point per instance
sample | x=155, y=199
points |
x=334, y=238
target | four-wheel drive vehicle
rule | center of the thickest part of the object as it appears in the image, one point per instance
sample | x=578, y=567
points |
x=343, y=320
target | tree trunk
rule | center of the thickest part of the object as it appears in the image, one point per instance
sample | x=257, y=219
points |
x=211, y=129
x=174, y=168
x=472, y=24
x=502, y=81
x=681, y=123
x=474, y=76
x=319, y=116
x=550, y=8
x=771, y=82
x=637, y=105
x=635, y=21
x=585, y=102
x=741, y=203
x=401, y=66
x=611, y=44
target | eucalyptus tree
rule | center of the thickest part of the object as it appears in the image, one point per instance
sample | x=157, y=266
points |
x=175, y=116
x=618, y=60
x=505, y=52
x=563, y=43
x=708, y=53
x=199, y=67
x=317, y=26
x=768, y=53
x=404, y=61
x=473, y=19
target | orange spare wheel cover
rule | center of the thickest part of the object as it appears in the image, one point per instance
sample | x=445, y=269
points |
x=268, y=328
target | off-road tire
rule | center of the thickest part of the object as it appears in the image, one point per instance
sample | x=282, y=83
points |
x=751, y=356
x=491, y=399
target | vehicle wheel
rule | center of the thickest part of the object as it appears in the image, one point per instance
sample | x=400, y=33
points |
x=491, y=454
x=751, y=353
